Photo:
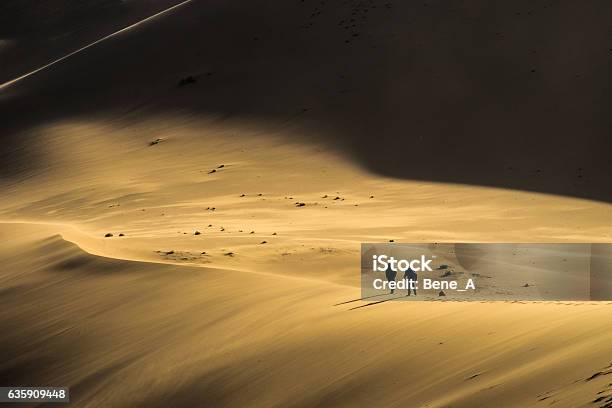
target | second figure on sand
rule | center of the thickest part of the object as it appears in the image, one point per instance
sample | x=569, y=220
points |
x=411, y=277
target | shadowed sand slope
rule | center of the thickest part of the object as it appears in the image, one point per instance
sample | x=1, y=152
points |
x=34, y=32
x=509, y=94
x=124, y=334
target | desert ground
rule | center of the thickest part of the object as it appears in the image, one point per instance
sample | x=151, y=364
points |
x=183, y=203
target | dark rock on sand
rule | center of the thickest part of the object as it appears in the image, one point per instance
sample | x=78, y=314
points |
x=187, y=80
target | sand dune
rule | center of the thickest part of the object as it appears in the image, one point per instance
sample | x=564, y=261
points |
x=506, y=94
x=39, y=31
x=183, y=203
x=124, y=333
x=159, y=195
x=92, y=44
x=152, y=321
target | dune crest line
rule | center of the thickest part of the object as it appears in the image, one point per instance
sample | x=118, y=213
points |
x=12, y=81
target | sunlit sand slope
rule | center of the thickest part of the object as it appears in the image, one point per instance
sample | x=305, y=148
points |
x=241, y=195
x=124, y=334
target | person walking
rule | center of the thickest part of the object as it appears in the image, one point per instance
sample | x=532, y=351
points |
x=390, y=274
x=411, y=277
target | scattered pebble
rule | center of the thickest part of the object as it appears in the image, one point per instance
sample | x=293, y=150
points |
x=187, y=80
x=108, y=235
x=197, y=233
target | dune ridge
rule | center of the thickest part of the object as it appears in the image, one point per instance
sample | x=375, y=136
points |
x=183, y=204
x=126, y=333
x=150, y=320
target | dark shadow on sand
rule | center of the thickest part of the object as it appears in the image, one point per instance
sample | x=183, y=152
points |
x=376, y=303
x=505, y=94
x=357, y=300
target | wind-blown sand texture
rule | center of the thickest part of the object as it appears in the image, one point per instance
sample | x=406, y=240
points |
x=194, y=139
